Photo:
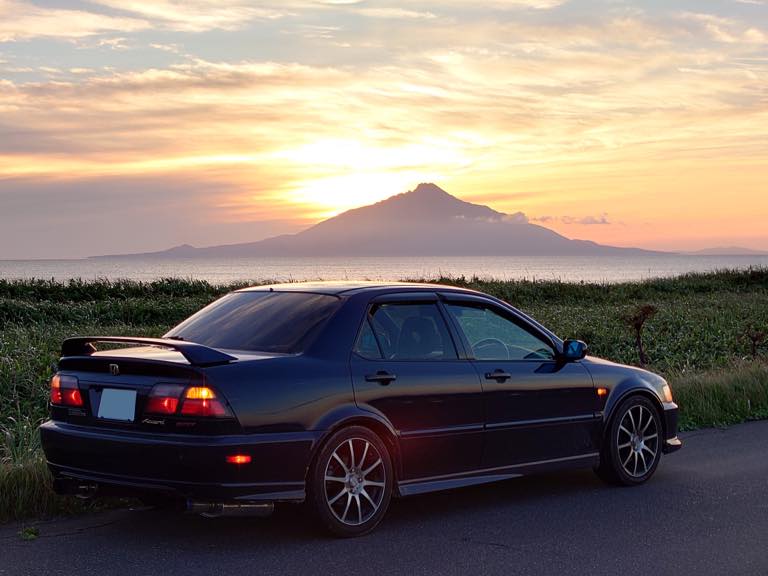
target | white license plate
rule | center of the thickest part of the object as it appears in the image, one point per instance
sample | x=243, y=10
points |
x=117, y=404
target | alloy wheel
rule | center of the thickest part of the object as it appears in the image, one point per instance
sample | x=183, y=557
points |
x=355, y=481
x=637, y=441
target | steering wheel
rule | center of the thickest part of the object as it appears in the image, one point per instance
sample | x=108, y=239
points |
x=485, y=342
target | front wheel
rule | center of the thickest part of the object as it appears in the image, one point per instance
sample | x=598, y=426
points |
x=632, y=447
x=350, y=483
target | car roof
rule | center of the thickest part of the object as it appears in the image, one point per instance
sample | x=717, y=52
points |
x=347, y=287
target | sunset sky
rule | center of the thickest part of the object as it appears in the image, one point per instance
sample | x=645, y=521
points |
x=135, y=125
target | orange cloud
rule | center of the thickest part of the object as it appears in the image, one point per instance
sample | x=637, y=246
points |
x=22, y=20
x=647, y=119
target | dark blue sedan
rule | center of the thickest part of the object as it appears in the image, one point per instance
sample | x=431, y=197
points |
x=343, y=395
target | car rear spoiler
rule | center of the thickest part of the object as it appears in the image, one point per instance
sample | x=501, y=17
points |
x=196, y=354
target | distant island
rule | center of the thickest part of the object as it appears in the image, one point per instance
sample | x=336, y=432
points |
x=728, y=251
x=427, y=221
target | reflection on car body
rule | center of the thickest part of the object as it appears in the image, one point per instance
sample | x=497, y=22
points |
x=344, y=395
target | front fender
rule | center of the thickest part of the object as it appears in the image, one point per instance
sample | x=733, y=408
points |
x=621, y=381
x=625, y=388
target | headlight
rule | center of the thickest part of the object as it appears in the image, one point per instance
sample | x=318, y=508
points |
x=667, y=393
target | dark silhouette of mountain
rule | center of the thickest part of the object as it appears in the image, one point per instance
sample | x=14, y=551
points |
x=728, y=251
x=424, y=222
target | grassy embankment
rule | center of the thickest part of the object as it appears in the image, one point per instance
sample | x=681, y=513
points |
x=696, y=340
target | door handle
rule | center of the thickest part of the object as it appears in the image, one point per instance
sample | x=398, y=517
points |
x=498, y=375
x=382, y=377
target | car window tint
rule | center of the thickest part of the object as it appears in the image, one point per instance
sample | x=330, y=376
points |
x=495, y=337
x=412, y=332
x=366, y=345
x=259, y=321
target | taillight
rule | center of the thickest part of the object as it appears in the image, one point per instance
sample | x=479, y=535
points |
x=164, y=399
x=202, y=401
x=65, y=391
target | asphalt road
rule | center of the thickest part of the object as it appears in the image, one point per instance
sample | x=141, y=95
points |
x=705, y=512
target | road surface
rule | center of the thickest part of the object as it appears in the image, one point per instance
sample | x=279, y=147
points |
x=705, y=512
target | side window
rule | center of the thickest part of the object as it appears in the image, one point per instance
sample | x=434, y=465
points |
x=495, y=337
x=366, y=345
x=412, y=332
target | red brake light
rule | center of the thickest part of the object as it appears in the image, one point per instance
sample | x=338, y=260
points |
x=163, y=399
x=73, y=398
x=164, y=405
x=202, y=401
x=65, y=391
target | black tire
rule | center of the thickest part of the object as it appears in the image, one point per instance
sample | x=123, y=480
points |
x=631, y=449
x=356, y=498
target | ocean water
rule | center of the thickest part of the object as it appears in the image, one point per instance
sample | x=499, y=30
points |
x=608, y=269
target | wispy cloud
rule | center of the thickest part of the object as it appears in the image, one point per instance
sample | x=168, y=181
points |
x=307, y=107
x=601, y=220
x=115, y=43
x=195, y=15
x=727, y=30
x=500, y=4
x=22, y=20
x=395, y=13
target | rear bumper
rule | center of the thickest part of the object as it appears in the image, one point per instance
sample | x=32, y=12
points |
x=195, y=467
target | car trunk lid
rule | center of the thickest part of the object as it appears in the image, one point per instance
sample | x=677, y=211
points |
x=116, y=384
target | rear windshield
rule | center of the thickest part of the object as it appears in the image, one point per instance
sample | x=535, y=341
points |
x=284, y=322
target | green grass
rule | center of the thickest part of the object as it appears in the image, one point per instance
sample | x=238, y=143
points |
x=722, y=397
x=696, y=340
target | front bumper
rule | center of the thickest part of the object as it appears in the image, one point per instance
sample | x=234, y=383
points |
x=671, y=442
x=134, y=463
x=672, y=445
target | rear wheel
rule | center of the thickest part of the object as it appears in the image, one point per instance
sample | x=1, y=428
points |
x=350, y=483
x=632, y=448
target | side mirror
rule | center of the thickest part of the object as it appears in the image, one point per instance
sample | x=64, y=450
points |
x=574, y=350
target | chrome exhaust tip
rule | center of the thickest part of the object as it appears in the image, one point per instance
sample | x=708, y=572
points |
x=219, y=509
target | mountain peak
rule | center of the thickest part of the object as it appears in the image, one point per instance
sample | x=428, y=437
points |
x=426, y=203
x=182, y=248
x=427, y=188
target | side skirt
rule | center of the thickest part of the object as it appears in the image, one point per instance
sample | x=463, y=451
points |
x=464, y=479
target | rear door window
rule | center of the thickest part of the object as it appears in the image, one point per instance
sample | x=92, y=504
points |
x=367, y=345
x=417, y=331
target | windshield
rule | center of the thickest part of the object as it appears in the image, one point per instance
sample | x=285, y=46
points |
x=283, y=322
